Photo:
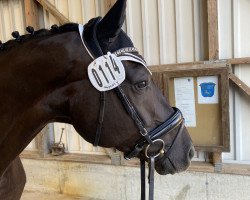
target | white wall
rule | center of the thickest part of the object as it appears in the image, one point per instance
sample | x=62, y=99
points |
x=234, y=32
x=107, y=182
x=172, y=28
x=11, y=18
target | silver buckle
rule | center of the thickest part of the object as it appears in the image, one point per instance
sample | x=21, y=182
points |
x=144, y=133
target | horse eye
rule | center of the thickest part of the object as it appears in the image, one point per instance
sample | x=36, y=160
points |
x=141, y=85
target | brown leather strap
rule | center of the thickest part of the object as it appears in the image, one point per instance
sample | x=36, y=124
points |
x=101, y=117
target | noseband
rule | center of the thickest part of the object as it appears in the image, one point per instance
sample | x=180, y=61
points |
x=148, y=139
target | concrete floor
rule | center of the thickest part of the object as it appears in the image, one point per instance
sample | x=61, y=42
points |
x=28, y=195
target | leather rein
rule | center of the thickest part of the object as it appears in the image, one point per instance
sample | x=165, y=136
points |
x=148, y=139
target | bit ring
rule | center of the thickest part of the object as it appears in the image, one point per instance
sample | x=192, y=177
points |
x=161, y=151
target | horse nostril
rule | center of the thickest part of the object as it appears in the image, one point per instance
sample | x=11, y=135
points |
x=191, y=152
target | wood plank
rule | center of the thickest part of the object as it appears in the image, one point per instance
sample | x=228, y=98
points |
x=213, y=37
x=224, y=101
x=186, y=66
x=240, y=84
x=239, y=61
x=31, y=13
x=157, y=78
x=196, y=166
x=217, y=157
x=69, y=157
x=109, y=4
x=52, y=10
x=234, y=61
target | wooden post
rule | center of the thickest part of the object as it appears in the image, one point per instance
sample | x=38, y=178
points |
x=217, y=161
x=109, y=4
x=31, y=15
x=213, y=41
x=213, y=45
x=42, y=142
x=52, y=10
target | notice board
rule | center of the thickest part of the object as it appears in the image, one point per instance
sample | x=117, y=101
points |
x=201, y=92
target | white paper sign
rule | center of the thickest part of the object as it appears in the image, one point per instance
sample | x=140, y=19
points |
x=106, y=72
x=207, y=87
x=185, y=100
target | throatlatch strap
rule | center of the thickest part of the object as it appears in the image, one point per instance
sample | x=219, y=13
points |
x=101, y=117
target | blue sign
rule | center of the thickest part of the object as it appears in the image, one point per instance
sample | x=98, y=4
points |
x=207, y=89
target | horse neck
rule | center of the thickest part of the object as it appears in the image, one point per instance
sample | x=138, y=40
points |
x=37, y=68
x=32, y=74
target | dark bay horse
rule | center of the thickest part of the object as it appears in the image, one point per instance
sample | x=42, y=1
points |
x=44, y=79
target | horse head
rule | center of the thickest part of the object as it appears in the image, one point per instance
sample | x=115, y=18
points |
x=136, y=99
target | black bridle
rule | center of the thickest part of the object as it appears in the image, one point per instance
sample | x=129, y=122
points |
x=148, y=139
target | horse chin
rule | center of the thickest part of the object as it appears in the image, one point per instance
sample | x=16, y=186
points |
x=164, y=166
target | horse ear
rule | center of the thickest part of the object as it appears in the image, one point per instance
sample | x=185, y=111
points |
x=112, y=22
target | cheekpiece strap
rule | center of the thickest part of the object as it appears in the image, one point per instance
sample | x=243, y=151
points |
x=101, y=118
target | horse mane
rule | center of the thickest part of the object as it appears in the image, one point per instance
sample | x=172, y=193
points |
x=20, y=39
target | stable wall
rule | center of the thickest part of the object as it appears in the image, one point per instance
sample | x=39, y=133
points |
x=107, y=182
x=176, y=32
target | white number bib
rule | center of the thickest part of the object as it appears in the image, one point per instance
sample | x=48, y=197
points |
x=106, y=72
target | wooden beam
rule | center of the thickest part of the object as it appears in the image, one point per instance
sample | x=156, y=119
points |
x=239, y=61
x=109, y=4
x=240, y=84
x=213, y=38
x=234, y=61
x=31, y=13
x=52, y=10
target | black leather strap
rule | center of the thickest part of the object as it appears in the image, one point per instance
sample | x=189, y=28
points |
x=133, y=114
x=175, y=120
x=151, y=166
x=151, y=177
x=143, y=183
x=101, y=117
